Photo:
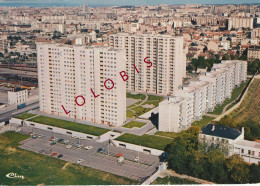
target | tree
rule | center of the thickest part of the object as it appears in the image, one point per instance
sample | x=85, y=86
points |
x=255, y=172
x=253, y=66
x=237, y=169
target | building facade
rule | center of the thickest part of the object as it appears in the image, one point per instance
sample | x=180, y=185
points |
x=17, y=96
x=209, y=90
x=85, y=81
x=166, y=54
x=253, y=53
x=231, y=141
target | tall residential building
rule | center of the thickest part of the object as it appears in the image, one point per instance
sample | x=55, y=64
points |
x=200, y=96
x=68, y=73
x=166, y=54
x=240, y=22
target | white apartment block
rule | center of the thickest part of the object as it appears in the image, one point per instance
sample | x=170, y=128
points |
x=17, y=96
x=197, y=91
x=176, y=114
x=66, y=72
x=166, y=54
x=205, y=93
x=240, y=22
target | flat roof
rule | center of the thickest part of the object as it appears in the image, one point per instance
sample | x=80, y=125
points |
x=249, y=143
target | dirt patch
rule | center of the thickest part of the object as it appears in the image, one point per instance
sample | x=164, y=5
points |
x=10, y=150
x=66, y=165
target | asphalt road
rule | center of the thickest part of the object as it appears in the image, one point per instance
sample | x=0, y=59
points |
x=7, y=115
x=106, y=162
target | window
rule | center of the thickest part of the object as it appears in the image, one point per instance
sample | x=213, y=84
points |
x=242, y=151
x=249, y=152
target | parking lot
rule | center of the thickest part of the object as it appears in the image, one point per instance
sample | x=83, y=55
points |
x=107, y=161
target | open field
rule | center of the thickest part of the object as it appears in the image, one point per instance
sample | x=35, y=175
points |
x=96, y=131
x=145, y=140
x=40, y=169
x=134, y=124
x=235, y=95
x=25, y=116
x=170, y=180
x=250, y=106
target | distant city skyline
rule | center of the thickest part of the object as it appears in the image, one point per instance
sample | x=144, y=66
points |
x=93, y=3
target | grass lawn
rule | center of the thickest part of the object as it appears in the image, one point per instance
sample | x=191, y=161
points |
x=145, y=140
x=204, y=121
x=170, y=180
x=168, y=134
x=25, y=116
x=135, y=96
x=45, y=170
x=250, y=106
x=154, y=98
x=96, y=131
x=129, y=114
x=235, y=94
x=134, y=124
x=141, y=110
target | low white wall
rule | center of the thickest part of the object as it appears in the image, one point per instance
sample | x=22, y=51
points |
x=59, y=130
x=16, y=121
x=139, y=148
x=2, y=124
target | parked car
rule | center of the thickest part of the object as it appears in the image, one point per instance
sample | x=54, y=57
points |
x=119, y=155
x=53, y=143
x=136, y=159
x=101, y=150
x=77, y=145
x=34, y=137
x=51, y=139
x=40, y=136
x=60, y=156
x=53, y=154
x=68, y=146
x=66, y=141
x=88, y=147
x=48, y=151
x=60, y=140
x=120, y=159
x=41, y=151
x=80, y=161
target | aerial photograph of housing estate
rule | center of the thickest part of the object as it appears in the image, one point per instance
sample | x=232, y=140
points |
x=129, y=92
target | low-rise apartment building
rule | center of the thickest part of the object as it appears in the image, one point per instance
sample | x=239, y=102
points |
x=253, y=53
x=17, y=96
x=210, y=89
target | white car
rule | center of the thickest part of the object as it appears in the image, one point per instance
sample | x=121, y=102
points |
x=68, y=146
x=88, y=147
x=136, y=159
x=80, y=161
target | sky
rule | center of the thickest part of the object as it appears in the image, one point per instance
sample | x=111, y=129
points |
x=134, y=2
